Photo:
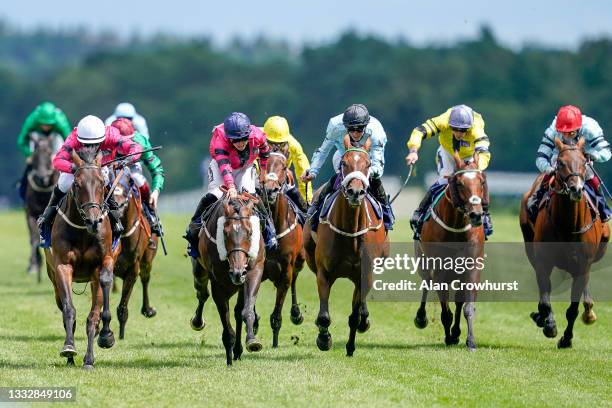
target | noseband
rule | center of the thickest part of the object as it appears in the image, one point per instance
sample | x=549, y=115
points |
x=357, y=174
x=564, y=179
x=88, y=205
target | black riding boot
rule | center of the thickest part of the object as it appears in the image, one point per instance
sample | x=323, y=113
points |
x=378, y=191
x=114, y=214
x=327, y=190
x=415, y=221
x=45, y=221
x=23, y=183
x=191, y=234
x=295, y=196
x=267, y=226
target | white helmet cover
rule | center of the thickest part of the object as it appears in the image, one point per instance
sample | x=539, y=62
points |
x=91, y=130
x=125, y=110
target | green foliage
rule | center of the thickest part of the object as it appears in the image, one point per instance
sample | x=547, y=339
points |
x=185, y=87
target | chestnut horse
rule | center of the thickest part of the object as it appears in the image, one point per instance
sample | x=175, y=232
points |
x=456, y=218
x=232, y=257
x=579, y=237
x=136, y=257
x=81, y=240
x=347, y=237
x=284, y=263
x=41, y=180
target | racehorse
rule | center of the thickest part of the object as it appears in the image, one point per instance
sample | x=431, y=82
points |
x=41, y=180
x=347, y=240
x=136, y=256
x=232, y=257
x=81, y=251
x=456, y=218
x=284, y=263
x=580, y=238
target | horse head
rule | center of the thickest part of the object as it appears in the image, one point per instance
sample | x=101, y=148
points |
x=238, y=236
x=276, y=176
x=354, y=170
x=42, y=165
x=466, y=188
x=88, y=188
x=570, y=169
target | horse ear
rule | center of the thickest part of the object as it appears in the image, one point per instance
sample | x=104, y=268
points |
x=580, y=144
x=99, y=157
x=458, y=162
x=347, y=141
x=367, y=144
x=76, y=159
x=558, y=143
x=475, y=157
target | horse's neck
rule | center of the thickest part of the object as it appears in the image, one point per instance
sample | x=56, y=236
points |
x=347, y=218
x=568, y=215
x=280, y=212
x=449, y=213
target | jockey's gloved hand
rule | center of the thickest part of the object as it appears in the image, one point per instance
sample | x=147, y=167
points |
x=73, y=168
x=549, y=170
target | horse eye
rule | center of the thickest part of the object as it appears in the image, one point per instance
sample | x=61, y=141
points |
x=343, y=163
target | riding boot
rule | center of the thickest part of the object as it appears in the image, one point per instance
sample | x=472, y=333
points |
x=114, y=214
x=314, y=211
x=533, y=202
x=416, y=220
x=599, y=198
x=294, y=195
x=45, y=221
x=378, y=191
x=193, y=229
x=23, y=183
x=145, y=195
x=267, y=226
x=486, y=221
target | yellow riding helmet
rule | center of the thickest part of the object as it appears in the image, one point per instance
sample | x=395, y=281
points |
x=276, y=129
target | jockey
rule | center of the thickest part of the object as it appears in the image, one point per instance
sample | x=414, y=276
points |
x=46, y=120
x=153, y=164
x=357, y=122
x=277, y=132
x=234, y=147
x=128, y=111
x=89, y=133
x=570, y=125
x=459, y=129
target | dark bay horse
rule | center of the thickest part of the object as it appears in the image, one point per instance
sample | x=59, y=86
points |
x=136, y=256
x=349, y=236
x=284, y=263
x=232, y=256
x=81, y=251
x=568, y=234
x=455, y=219
x=41, y=180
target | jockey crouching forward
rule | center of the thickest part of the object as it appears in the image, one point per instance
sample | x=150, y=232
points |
x=570, y=125
x=234, y=147
x=357, y=122
x=280, y=139
x=461, y=130
x=90, y=133
x=148, y=196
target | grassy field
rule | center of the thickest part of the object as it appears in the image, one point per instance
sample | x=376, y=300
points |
x=162, y=362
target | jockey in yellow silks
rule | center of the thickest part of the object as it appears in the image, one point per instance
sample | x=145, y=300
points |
x=460, y=129
x=280, y=139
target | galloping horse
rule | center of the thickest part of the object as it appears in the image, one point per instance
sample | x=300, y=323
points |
x=41, y=180
x=136, y=257
x=81, y=251
x=456, y=218
x=232, y=257
x=284, y=263
x=346, y=238
x=581, y=239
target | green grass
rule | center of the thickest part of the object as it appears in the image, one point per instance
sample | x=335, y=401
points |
x=162, y=362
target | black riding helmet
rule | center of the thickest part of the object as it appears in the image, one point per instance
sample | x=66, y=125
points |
x=356, y=115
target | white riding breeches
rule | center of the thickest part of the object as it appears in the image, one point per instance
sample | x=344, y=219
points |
x=136, y=175
x=244, y=178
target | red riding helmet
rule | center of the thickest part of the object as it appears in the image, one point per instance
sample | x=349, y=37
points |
x=569, y=118
x=125, y=127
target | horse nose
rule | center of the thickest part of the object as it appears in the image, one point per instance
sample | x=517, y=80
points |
x=356, y=193
x=238, y=276
x=475, y=218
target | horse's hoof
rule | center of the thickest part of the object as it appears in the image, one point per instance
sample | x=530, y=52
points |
x=148, y=313
x=297, y=319
x=350, y=351
x=471, y=349
x=362, y=328
x=535, y=316
x=107, y=341
x=451, y=341
x=589, y=318
x=550, y=331
x=88, y=367
x=564, y=343
x=32, y=270
x=195, y=327
x=68, y=351
x=324, y=342
x=421, y=322
x=253, y=345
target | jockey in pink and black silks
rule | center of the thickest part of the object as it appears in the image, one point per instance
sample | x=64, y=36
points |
x=90, y=134
x=234, y=147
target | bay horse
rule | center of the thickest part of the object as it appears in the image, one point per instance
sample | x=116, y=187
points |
x=136, y=256
x=284, y=263
x=232, y=256
x=40, y=182
x=567, y=234
x=456, y=219
x=348, y=238
x=81, y=251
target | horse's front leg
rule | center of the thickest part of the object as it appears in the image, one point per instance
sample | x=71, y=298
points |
x=106, y=338
x=421, y=320
x=200, y=283
x=92, y=323
x=238, y=318
x=251, y=287
x=276, y=318
x=456, y=329
x=126, y=291
x=145, y=276
x=63, y=288
x=353, y=320
x=545, y=317
x=35, y=256
x=324, y=339
x=579, y=283
x=229, y=336
x=296, y=314
x=446, y=316
x=589, y=316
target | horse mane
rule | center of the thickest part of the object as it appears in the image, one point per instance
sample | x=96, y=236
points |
x=88, y=154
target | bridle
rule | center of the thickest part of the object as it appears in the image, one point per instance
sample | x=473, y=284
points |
x=455, y=198
x=282, y=180
x=357, y=174
x=564, y=179
x=82, y=207
x=238, y=248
